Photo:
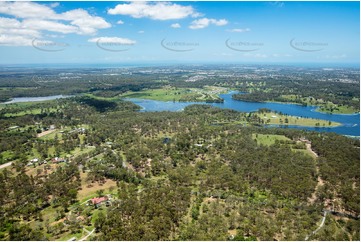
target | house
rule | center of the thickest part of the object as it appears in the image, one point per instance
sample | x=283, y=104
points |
x=35, y=160
x=58, y=160
x=99, y=200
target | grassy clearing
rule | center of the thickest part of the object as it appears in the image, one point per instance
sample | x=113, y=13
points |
x=89, y=192
x=22, y=113
x=69, y=236
x=323, y=106
x=278, y=119
x=179, y=94
x=268, y=139
x=306, y=152
x=49, y=214
x=26, y=108
x=336, y=109
x=52, y=135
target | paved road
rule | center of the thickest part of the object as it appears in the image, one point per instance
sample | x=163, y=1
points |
x=5, y=165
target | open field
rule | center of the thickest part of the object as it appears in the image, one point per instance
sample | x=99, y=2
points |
x=88, y=190
x=276, y=118
x=269, y=139
x=46, y=133
x=26, y=108
x=337, y=109
x=179, y=94
x=325, y=107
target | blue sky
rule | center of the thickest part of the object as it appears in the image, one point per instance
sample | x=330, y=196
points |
x=179, y=32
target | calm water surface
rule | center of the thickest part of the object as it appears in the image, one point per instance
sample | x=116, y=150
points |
x=350, y=123
x=34, y=99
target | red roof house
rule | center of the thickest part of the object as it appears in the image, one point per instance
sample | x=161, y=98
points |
x=98, y=200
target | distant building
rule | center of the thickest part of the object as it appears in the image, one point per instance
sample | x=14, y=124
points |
x=58, y=160
x=98, y=200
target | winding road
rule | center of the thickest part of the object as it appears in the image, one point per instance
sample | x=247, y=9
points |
x=313, y=197
x=319, y=227
x=5, y=165
x=90, y=233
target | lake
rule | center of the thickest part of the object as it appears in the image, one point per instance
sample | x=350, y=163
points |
x=34, y=99
x=350, y=123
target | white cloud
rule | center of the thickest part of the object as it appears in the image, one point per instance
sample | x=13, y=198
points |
x=205, y=22
x=141, y=32
x=52, y=26
x=277, y=4
x=176, y=25
x=26, y=10
x=156, y=11
x=120, y=22
x=336, y=56
x=239, y=30
x=54, y=36
x=9, y=23
x=281, y=55
x=54, y=5
x=15, y=40
x=21, y=32
x=255, y=55
x=113, y=40
x=12, y=33
x=86, y=23
x=34, y=18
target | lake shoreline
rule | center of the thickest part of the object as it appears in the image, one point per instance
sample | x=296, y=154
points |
x=36, y=99
x=349, y=122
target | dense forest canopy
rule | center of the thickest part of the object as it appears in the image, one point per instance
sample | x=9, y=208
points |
x=202, y=177
x=201, y=174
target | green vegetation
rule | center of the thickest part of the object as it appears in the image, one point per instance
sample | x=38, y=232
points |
x=201, y=174
x=27, y=108
x=282, y=119
x=330, y=97
x=337, y=109
x=263, y=139
x=206, y=182
x=268, y=117
x=168, y=93
x=325, y=107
